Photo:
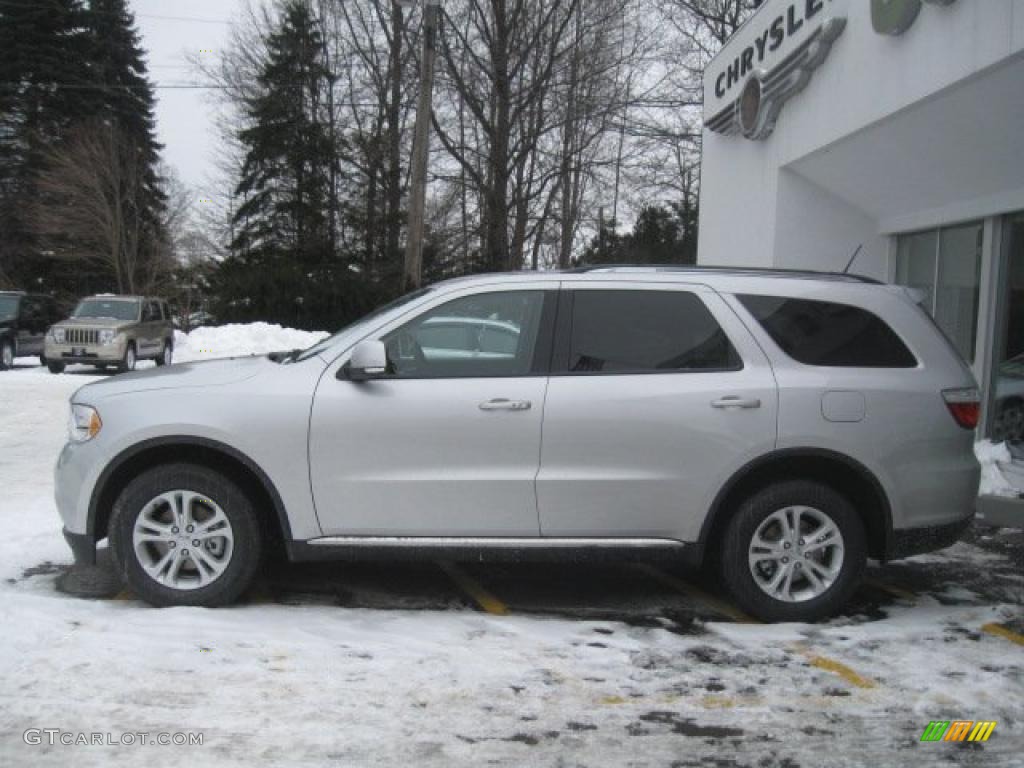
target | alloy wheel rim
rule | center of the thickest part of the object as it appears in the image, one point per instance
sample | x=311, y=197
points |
x=8, y=356
x=168, y=355
x=796, y=554
x=130, y=359
x=183, y=540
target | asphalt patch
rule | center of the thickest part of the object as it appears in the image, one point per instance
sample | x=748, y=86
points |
x=687, y=726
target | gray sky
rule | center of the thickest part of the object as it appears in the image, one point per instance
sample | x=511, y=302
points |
x=170, y=30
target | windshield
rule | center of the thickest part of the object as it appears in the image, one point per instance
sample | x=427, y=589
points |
x=8, y=307
x=400, y=301
x=108, y=308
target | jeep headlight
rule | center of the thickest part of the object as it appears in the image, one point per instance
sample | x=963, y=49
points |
x=57, y=334
x=107, y=337
x=84, y=424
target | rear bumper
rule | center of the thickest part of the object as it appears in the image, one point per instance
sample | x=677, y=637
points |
x=83, y=547
x=907, y=542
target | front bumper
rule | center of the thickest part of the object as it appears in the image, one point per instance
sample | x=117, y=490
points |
x=90, y=354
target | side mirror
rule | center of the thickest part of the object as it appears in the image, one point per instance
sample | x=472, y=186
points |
x=369, y=361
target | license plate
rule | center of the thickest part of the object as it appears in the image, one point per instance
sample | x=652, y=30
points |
x=78, y=351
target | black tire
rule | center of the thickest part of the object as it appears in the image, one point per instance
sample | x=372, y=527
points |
x=247, y=548
x=42, y=359
x=166, y=354
x=6, y=354
x=130, y=358
x=735, y=565
x=55, y=367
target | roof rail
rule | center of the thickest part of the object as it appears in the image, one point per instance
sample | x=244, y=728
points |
x=807, y=274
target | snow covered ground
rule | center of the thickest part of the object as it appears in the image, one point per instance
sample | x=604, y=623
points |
x=385, y=664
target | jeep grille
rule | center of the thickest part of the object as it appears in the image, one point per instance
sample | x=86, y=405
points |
x=82, y=336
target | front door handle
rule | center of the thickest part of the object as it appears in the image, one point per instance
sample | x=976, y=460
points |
x=504, y=404
x=733, y=401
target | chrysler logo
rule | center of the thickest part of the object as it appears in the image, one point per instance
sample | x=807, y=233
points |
x=894, y=17
x=765, y=91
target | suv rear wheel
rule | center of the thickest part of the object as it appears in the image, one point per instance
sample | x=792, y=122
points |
x=183, y=534
x=166, y=355
x=6, y=354
x=794, y=551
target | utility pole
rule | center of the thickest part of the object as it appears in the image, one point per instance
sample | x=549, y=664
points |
x=413, y=272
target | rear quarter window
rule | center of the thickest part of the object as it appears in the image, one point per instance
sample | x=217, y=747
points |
x=825, y=333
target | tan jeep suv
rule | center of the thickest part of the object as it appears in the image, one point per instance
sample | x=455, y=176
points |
x=107, y=330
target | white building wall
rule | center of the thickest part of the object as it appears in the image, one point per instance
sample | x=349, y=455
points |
x=805, y=196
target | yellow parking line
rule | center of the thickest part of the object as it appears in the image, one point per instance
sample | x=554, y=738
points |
x=1005, y=632
x=833, y=666
x=474, y=589
x=718, y=606
x=837, y=667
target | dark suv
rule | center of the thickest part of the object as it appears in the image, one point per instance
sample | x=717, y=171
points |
x=24, y=318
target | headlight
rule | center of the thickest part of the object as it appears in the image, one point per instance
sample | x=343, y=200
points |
x=57, y=334
x=106, y=337
x=84, y=423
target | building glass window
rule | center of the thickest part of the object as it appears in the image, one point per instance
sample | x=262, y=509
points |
x=1008, y=414
x=945, y=265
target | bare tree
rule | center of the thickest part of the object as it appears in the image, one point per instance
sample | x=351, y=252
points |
x=88, y=208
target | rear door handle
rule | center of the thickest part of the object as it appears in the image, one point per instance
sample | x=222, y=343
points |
x=734, y=401
x=504, y=404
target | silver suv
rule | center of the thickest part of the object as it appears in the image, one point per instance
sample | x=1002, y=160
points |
x=786, y=426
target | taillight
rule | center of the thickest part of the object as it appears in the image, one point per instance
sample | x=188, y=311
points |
x=965, y=405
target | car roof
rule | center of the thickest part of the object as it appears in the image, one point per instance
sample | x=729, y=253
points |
x=711, y=270
x=13, y=293
x=728, y=278
x=115, y=297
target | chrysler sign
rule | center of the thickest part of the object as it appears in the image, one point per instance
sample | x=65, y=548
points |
x=780, y=56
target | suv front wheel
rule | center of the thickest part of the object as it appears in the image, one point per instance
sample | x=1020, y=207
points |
x=128, y=361
x=182, y=534
x=794, y=551
x=6, y=354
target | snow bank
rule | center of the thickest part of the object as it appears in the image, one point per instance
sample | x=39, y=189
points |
x=993, y=481
x=235, y=340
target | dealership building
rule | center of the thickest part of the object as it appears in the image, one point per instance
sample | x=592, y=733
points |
x=890, y=130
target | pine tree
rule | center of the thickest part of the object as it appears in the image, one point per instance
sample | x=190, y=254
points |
x=42, y=79
x=67, y=66
x=124, y=96
x=281, y=222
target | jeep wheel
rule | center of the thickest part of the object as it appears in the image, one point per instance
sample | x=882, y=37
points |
x=128, y=361
x=166, y=356
x=55, y=367
x=794, y=551
x=6, y=355
x=183, y=534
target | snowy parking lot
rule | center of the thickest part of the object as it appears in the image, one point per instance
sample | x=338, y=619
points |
x=474, y=664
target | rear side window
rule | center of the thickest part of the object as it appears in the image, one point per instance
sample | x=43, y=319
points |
x=827, y=334
x=646, y=332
